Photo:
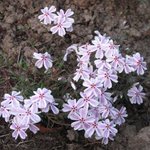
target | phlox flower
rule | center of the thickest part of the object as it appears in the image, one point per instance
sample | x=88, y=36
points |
x=92, y=86
x=119, y=116
x=67, y=18
x=136, y=94
x=82, y=73
x=73, y=106
x=28, y=114
x=110, y=48
x=43, y=60
x=85, y=51
x=66, y=15
x=106, y=77
x=127, y=65
x=48, y=15
x=42, y=97
x=138, y=63
x=99, y=44
x=60, y=26
x=108, y=128
x=102, y=64
x=104, y=97
x=19, y=128
x=116, y=60
x=87, y=100
x=93, y=127
x=106, y=110
x=82, y=120
x=14, y=99
x=98, y=47
x=82, y=62
x=95, y=113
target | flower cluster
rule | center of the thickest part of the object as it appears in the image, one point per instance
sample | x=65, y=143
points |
x=23, y=114
x=99, y=64
x=62, y=20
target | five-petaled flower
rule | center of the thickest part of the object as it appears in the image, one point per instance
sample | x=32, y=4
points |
x=73, y=106
x=106, y=77
x=93, y=127
x=48, y=15
x=138, y=63
x=43, y=60
x=42, y=97
x=88, y=100
x=28, y=114
x=19, y=128
x=12, y=99
x=60, y=27
x=92, y=86
x=120, y=115
x=82, y=120
x=108, y=128
x=136, y=94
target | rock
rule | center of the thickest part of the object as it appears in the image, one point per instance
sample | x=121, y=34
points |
x=129, y=131
x=141, y=141
x=74, y=147
x=72, y=135
x=98, y=148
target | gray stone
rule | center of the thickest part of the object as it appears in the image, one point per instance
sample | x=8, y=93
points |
x=141, y=141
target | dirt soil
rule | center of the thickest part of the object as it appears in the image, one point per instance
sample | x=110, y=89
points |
x=126, y=21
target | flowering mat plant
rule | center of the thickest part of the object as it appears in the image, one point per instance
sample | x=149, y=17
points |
x=101, y=84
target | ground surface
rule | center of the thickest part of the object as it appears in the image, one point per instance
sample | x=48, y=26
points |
x=21, y=33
